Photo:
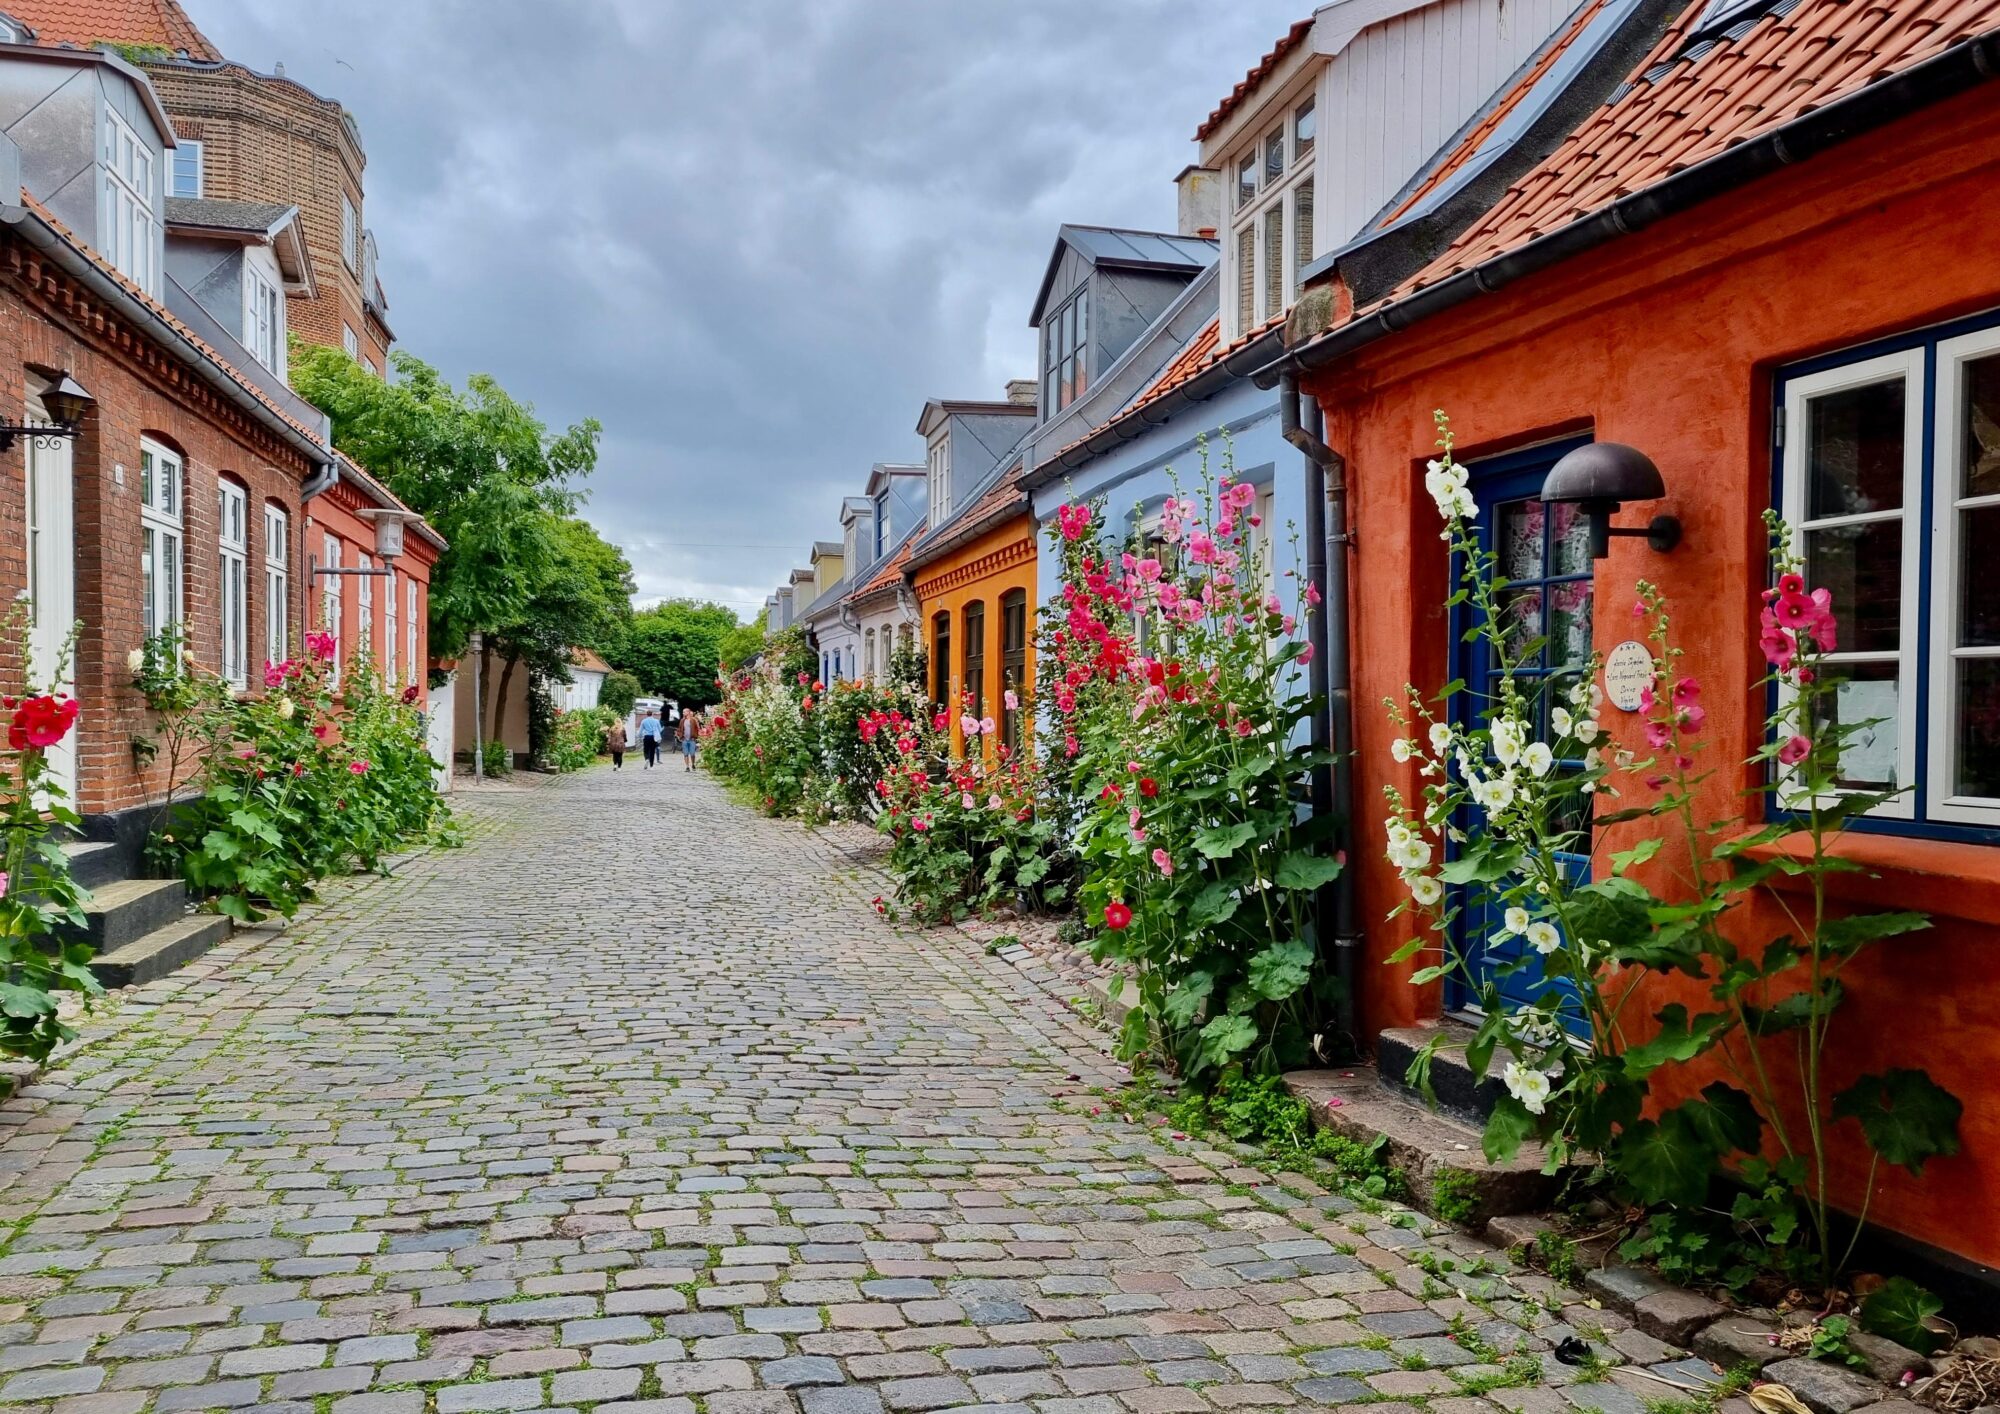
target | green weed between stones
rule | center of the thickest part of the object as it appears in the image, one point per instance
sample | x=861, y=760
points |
x=1455, y=1196
x=1258, y=1110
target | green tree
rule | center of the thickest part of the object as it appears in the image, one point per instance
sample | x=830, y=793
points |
x=619, y=692
x=745, y=640
x=675, y=649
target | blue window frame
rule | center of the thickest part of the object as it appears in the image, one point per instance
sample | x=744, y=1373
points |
x=1886, y=463
x=1544, y=554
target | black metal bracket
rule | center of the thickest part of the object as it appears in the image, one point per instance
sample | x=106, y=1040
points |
x=1661, y=532
x=45, y=435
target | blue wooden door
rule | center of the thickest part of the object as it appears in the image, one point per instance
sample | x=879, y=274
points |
x=1543, y=553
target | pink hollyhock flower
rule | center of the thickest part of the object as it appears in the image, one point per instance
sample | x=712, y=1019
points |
x=1823, y=631
x=1149, y=570
x=920, y=823
x=1791, y=584
x=1306, y=654
x=987, y=726
x=1312, y=593
x=1655, y=782
x=1011, y=699
x=245, y=752
x=1132, y=818
x=965, y=799
x=3, y=883
x=1691, y=718
x=321, y=645
x=1638, y=608
x=1647, y=701
x=358, y=767
x=1658, y=734
x=1201, y=548
x=1686, y=691
x=1243, y=727
x=969, y=724
x=1793, y=611
x=1164, y=862
x=1778, y=647
x=1794, y=750
x=274, y=673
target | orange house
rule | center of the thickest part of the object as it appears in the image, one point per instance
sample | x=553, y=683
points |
x=1790, y=300
x=975, y=580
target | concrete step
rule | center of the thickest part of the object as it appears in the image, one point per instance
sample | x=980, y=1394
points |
x=94, y=863
x=161, y=951
x=1456, y=1092
x=1440, y=1155
x=127, y=909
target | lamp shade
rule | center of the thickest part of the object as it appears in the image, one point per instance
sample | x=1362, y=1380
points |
x=67, y=401
x=1604, y=471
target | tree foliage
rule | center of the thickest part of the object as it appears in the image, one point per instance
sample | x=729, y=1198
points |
x=675, y=649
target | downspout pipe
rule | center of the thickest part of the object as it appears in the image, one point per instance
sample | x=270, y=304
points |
x=1329, y=676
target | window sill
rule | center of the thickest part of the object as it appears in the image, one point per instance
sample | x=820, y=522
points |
x=1944, y=878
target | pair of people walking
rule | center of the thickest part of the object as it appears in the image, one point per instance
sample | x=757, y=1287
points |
x=652, y=732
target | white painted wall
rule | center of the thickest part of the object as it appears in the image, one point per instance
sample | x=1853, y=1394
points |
x=438, y=735
x=580, y=693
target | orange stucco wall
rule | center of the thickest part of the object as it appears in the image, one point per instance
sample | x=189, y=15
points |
x=1668, y=340
x=981, y=571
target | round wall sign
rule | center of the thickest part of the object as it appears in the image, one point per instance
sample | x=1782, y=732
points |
x=1628, y=672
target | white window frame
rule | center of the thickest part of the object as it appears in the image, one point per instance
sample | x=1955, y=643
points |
x=1948, y=472
x=1066, y=340
x=330, y=600
x=1275, y=198
x=232, y=598
x=389, y=631
x=351, y=342
x=263, y=319
x=938, y=462
x=1799, y=393
x=193, y=150
x=350, y=234
x=162, y=496
x=364, y=604
x=129, y=224
x=277, y=584
x=410, y=628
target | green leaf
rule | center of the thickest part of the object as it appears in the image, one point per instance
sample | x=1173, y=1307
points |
x=25, y=1002
x=1906, y=1116
x=1627, y=859
x=1483, y=863
x=1614, y=910
x=1299, y=870
x=1507, y=1129
x=1681, y=1038
x=1227, y=1036
x=1281, y=969
x=1795, y=1010
x=1665, y=1162
x=1724, y=1119
x=1221, y=841
x=1899, y=1310
x=1185, y=1001
x=1217, y=903
x=1847, y=936
x=221, y=845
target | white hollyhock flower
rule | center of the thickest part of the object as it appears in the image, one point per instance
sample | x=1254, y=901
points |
x=135, y=660
x=1496, y=794
x=1515, y=920
x=1527, y=1085
x=1538, y=758
x=1586, y=729
x=1507, y=737
x=1426, y=890
x=286, y=708
x=1400, y=750
x=1544, y=938
x=1440, y=735
x=1560, y=719
x=1579, y=695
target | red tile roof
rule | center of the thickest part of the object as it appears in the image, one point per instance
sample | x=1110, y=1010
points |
x=1694, y=108
x=165, y=316
x=83, y=23
x=1204, y=352
x=989, y=510
x=1294, y=37
x=891, y=572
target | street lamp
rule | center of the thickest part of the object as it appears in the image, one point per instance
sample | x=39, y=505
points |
x=66, y=404
x=1600, y=477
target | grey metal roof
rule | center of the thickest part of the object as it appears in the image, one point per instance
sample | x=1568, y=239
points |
x=251, y=218
x=1118, y=249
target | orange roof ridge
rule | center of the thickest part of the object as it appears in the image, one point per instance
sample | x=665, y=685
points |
x=84, y=23
x=1292, y=39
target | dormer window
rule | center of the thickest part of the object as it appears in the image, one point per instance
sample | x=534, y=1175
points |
x=186, y=168
x=263, y=319
x=939, y=474
x=130, y=234
x=1271, y=219
x=1065, y=366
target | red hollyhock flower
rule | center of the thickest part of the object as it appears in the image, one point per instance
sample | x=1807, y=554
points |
x=1149, y=787
x=41, y=722
x=1117, y=917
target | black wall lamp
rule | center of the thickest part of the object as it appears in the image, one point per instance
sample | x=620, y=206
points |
x=1601, y=477
x=66, y=403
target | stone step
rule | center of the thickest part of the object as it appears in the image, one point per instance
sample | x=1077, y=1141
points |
x=1440, y=1155
x=161, y=951
x=128, y=909
x=1452, y=1084
x=94, y=863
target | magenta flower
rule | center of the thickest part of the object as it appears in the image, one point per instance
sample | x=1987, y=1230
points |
x=1686, y=691
x=1794, y=750
x=1164, y=862
x=358, y=767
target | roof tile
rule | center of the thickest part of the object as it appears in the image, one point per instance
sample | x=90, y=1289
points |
x=82, y=23
x=1293, y=38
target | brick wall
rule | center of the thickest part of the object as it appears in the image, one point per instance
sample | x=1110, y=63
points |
x=268, y=139
x=50, y=322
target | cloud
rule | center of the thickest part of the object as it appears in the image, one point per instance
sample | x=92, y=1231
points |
x=750, y=239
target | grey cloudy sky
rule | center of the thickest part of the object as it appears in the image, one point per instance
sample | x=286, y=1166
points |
x=749, y=236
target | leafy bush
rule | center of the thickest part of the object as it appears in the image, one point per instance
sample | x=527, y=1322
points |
x=759, y=738
x=618, y=693
x=302, y=782
x=853, y=725
x=496, y=759
x=577, y=738
x=1175, y=679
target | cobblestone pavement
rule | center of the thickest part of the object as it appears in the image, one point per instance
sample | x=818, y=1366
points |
x=633, y=1102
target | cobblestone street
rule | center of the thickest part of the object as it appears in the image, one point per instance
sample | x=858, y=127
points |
x=634, y=1102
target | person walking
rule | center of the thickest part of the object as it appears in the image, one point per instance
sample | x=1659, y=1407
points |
x=616, y=741
x=690, y=738
x=649, y=739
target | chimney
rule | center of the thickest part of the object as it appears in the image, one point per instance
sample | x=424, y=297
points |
x=1022, y=391
x=1200, y=201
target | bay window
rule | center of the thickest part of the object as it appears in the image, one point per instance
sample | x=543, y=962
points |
x=1270, y=237
x=1889, y=476
x=162, y=544
x=232, y=599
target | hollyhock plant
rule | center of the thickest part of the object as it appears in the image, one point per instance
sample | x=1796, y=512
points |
x=1182, y=698
x=1507, y=802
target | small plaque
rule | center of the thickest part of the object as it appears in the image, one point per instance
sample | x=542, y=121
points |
x=1628, y=672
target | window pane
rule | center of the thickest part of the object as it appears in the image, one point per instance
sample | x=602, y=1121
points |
x=1864, y=693
x=1569, y=621
x=1246, y=278
x=1982, y=427
x=1082, y=339
x=1570, y=552
x=1854, y=451
x=1246, y=180
x=1274, y=261
x=1978, y=727
x=1979, y=587
x=1520, y=538
x=1274, y=156
x=1304, y=124
x=1302, y=233
x=1862, y=567
x=1521, y=624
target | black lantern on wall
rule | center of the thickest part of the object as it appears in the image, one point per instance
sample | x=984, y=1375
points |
x=1601, y=477
x=66, y=402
